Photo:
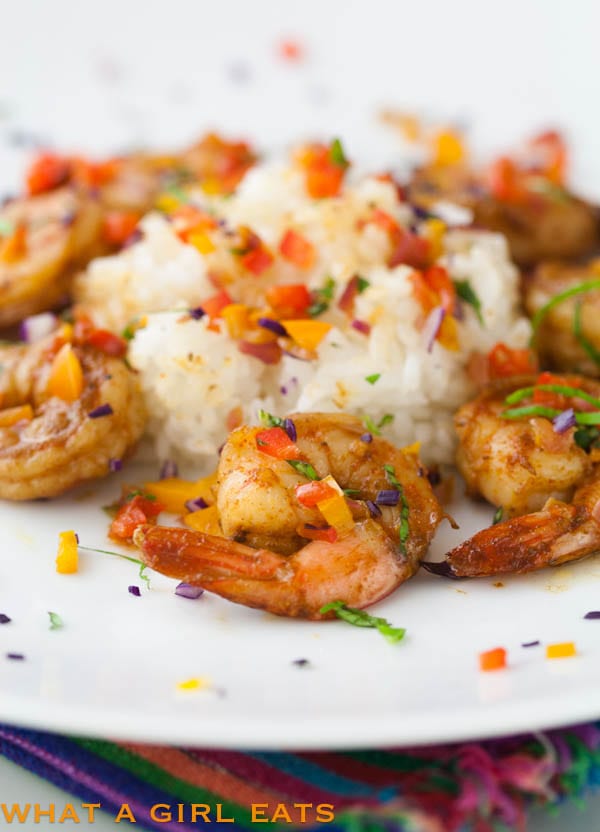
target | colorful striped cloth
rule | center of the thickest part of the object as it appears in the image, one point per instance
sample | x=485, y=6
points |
x=470, y=786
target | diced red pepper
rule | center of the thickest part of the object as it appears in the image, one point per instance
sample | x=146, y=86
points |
x=290, y=300
x=107, y=342
x=297, y=249
x=118, y=226
x=268, y=352
x=257, y=260
x=348, y=296
x=92, y=174
x=505, y=362
x=214, y=305
x=135, y=512
x=327, y=533
x=547, y=398
x=310, y=493
x=47, y=172
x=411, y=250
x=275, y=442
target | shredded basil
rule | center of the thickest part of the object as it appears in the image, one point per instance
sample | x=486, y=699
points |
x=581, y=288
x=465, y=292
x=360, y=618
x=583, y=342
x=56, y=622
x=304, y=468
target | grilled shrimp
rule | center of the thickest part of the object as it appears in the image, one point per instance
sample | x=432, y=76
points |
x=265, y=560
x=55, y=444
x=44, y=239
x=568, y=336
x=525, y=463
x=517, y=464
x=538, y=226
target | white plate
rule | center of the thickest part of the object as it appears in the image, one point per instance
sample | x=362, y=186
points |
x=114, y=667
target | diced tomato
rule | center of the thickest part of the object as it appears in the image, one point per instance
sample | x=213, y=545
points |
x=310, y=493
x=323, y=176
x=107, y=342
x=135, y=512
x=275, y=442
x=411, y=250
x=291, y=50
x=290, y=300
x=257, y=260
x=118, y=226
x=297, y=249
x=47, y=172
x=505, y=362
x=216, y=303
x=327, y=533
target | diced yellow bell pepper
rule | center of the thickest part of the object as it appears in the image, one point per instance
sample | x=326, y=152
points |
x=337, y=514
x=307, y=333
x=201, y=241
x=211, y=186
x=448, y=148
x=67, y=558
x=448, y=334
x=564, y=650
x=174, y=492
x=412, y=450
x=236, y=319
x=12, y=415
x=65, y=331
x=167, y=203
x=195, y=683
x=434, y=230
x=66, y=376
x=14, y=248
x=205, y=520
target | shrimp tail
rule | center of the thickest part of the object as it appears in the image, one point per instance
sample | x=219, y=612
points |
x=557, y=534
x=199, y=558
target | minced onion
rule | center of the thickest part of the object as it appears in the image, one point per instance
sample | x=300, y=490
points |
x=432, y=326
x=273, y=326
x=36, y=327
x=290, y=428
x=374, y=510
x=387, y=497
x=591, y=616
x=196, y=504
x=188, y=591
x=115, y=465
x=134, y=590
x=366, y=437
x=197, y=313
x=361, y=326
x=564, y=421
x=169, y=469
x=102, y=410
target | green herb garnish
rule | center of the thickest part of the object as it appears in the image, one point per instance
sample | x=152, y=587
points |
x=361, y=284
x=6, y=228
x=56, y=622
x=375, y=427
x=304, y=468
x=583, y=342
x=360, y=618
x=269, y=421
x=373, y=378
x=322, y=298
x=549, y=413
x=142, y=566
x=541, y=185
x=581, y=288
x=562, y=389
x=587, y=437
x=465, y=292
x=498, y=515
x=337, y=155
x=404, y=530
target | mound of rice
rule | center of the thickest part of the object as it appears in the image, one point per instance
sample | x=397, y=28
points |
x=198, y=384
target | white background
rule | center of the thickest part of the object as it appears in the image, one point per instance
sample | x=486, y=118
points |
x=114, y=75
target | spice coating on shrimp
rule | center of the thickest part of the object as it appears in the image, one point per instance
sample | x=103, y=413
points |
x=61, y=445
x=280, y=571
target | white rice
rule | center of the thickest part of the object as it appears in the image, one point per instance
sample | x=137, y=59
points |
x=195, y=379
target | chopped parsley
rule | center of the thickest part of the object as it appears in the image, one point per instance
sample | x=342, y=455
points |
x=583, y=342
x=465, y=292
x=360, y=618
x=498, y=515
x=361, y=284
x=373, y=378
x=322, y=298
x=56, y=622
x=587, y=437
x=581, y=288
x=404, y=529
x=337, y=155
x=304, y=468
x=375, y=427
x=269, y=421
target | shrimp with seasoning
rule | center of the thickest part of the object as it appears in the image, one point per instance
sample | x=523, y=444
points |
x=67, y=410
x=278, y=553
x=535, y=452
x=43, y=240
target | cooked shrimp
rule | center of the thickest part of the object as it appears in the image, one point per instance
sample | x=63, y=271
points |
x=55, y=445
x=559, y=533
x=44, y=239
x=265, y=560
x=520, y=464
x=568, y=336
x=539, y=226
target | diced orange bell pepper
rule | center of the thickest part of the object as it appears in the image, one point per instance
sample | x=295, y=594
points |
x=67, y=557
x=289, y=300
x=66, y=375
x=310, y=493
x=257, y=261
x=275, y=442
x=201, y=241
x=492, y=659
x=237, y=319
x=306, y=332
x=13, y=415
x=173, y=492
x=214, y=305
x=14, y=248
x=297, y=249
x=337, y=514
x=448, y=148
x=205, y=520
x=107, y=342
